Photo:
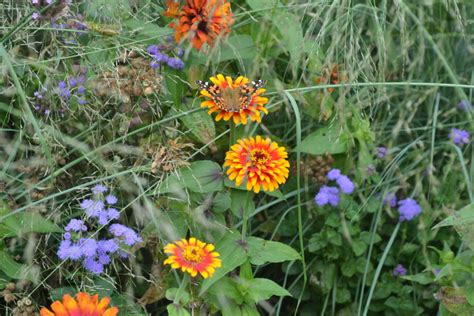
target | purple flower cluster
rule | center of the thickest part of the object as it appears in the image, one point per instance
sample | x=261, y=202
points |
x=391, y=199
x=331, y=194
x=73, y=86
x=381, y=152
x=167, y=53
x=81, y=245
x=459, y=137
x=465, y=105
x=36, y=15
x=399, y=270
x=408, y=209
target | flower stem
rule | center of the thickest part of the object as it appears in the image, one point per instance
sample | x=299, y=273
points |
x=245, y=215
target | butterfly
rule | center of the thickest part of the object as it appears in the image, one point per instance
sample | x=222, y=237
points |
x=231, y=99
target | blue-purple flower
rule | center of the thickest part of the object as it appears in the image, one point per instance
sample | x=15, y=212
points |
x=465, y=105
x=327, y=195
x=459, y=137
x=330, y=194
x=166, y=53
x=399, y=270
x=381, y=152
x=390, y=199
x=408, y=209
x=93, y=252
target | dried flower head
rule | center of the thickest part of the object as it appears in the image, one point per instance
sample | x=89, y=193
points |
x=193, y=256
x=258, y=161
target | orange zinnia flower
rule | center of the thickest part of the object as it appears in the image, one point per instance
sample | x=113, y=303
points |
x=172, y=9
x=260, y=162
x=193, y=256
x=202, y=21
x=236, y=99
x=84, y=305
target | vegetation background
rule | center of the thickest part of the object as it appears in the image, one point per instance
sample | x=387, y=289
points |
x=344, y=77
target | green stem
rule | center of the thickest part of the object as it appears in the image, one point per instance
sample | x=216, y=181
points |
x=183, y=284
x=245, y=215
x=379, y=268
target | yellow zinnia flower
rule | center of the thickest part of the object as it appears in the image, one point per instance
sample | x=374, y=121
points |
x=260, y=162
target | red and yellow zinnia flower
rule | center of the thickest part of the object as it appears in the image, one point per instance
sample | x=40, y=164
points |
x=193, y=256
x=260, y=162
x=201, y=21
x=234, y=99
x=83, y=305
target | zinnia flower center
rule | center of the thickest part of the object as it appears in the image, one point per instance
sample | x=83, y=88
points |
x=259, y=156
x=193, y=254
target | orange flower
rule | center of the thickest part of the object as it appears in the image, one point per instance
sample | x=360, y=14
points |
x=193, y=256
x=201, y=21
x=260, y=162
x=236, y=99
x=84, y=305
x=172, y=9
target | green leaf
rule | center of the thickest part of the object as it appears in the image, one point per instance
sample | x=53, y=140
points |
x=326, y=139
x=359, y=247
x=177, y=310
x=262, y=289
x=110, y=9
x=232, y=253
x=291, y=32
x=463, y=222
x=221, y=202
x=241, y=200
x=26, y=222
x=146, y=31
x=183, y=295
x=201, y=126
x=201, y=176
x=262, y=251
x=235, y=47
x=227, y=288
x=16, y=270
x=421, y=278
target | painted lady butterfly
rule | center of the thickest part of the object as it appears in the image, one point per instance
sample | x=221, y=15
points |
x=232, y=100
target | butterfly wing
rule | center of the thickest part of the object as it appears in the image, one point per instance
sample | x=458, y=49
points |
x=247, y=92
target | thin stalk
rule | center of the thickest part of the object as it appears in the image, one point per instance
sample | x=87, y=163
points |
x=379, y=268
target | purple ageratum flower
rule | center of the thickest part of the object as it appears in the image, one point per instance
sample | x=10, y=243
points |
x=334, y=174
x=465, y=106
x=180, y=52
x=128, y=235
x=390, y=199
x=99, y=188
x=82, y=78
x=107, y=246
x=346, y=185
x=63, y=250
x=67, y=236
x=75, y=225
x=81, y=90
x=175, y=63
x=93, y=208
x=88, y=246
x=161, y=58
x=327, y=195
x=35, y=15
x=399, y=271
x=62, y=85
x=112, y=213
x=154, y=64
x=35, y=1
x=460, y=137
x=111, y=199
x=38, y=95
x=408, y=209
x=381, y=152
x=81, y=101
x=72, y=82
x=152, y=50
x=92, y=265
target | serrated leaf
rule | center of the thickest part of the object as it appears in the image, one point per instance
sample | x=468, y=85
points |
x=202, y=176
x=201, y=125
x=326, y=139
x=262, y=251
